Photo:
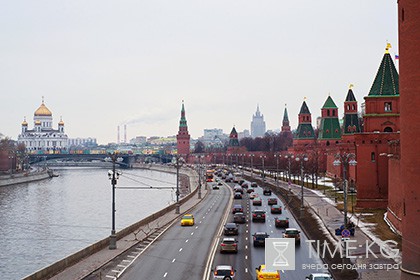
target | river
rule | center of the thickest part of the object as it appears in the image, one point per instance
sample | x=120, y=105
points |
x=43, y=222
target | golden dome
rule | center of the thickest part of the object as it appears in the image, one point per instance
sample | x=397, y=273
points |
x=43, y=111
x=37, y=122
x=24, y=122
x=61, y=122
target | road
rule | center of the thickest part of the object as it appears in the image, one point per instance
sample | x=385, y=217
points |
x=248, y=257
x=181, y=252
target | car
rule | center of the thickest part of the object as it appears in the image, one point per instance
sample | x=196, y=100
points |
x=257, y=201
x=241, y=181
x=187, y=220
x=253, y=195
x=258, y=215
x=267, y=191
x=238, y=188
x=239, y=218
x=319, y=276
x=292, y=233
x=245, y=184
x=281, y=222
x=259, y=238
x=225, y=272
x=237, y=195
x=272, y=201
x=262, y=272
x=229, y=245
x=220, y=184
x=276, y=209
x=237, y=208
x=215, y=187
x=254, y=184
x=231, y=229
x=250, y=190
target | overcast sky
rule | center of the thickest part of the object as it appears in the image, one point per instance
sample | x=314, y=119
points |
x=100, y=64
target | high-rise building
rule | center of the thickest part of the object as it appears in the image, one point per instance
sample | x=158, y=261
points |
x=258, y=124
x=183, y=137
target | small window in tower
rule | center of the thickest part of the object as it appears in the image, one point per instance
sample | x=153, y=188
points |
x=372, y=156
x=348, y=107
x=388, y=107
x=328, y=113
x=333, y=113
x=354, y=107
x=388, y=129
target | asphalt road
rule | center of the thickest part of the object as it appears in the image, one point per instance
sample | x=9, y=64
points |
x=249, y=257
x=182, y=252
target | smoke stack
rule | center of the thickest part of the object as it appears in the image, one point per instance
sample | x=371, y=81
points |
x=125, y=133
x=118, y=135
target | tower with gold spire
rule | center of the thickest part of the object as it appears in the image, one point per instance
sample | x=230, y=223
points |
x=183, y=137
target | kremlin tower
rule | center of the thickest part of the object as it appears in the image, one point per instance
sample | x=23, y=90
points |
x=183, y=138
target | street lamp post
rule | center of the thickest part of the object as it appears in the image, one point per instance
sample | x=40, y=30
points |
x=113, y=176
x=277, y=156
x=178, y=161
x=263, y=175
x=304, y=158
x=252, y=166
x=289, y=157
x=346, y=160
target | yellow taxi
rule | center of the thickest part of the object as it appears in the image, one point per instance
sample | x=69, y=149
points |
x=263, y=273
x=187, y=220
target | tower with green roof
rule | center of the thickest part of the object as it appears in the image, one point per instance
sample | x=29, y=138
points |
x=382, y=108
x=351, y=123
x=233, y=138
x=304, y=131
x=285, y=128
x=183, y=137
x=330, y=126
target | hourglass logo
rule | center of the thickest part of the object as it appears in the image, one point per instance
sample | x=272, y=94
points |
x=280, y=253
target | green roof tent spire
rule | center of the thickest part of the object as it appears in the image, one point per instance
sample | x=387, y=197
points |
x=387, y=79
x=329, y=104
x=183, y=121
x=233, y=138
x=285, y=115
x=304, y=109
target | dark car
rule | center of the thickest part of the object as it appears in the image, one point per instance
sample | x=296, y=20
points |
x=257, y=201
x=215, y=187
x=237, y=195
x=237, y=208
x=238, y=188
x=239, y=218
x=250, y=190
x=272, y=201
x=254, y=184
x=258, y=215
x=245, y=185
x=267, y=191
x=281, y=222
x=292, y=233
x=276, y=209
x=259, y=238
x=231, y=229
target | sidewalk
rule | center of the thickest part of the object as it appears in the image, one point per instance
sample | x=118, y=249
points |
x=369, y=267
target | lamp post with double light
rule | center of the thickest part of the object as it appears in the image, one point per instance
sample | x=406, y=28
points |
x=178, y=161
x=302, y=159
x=113, y=175
x=263, y=174
x=252, y=165
x=345, y=160
x=277, y=156
x=289, y=157
x=199, y=174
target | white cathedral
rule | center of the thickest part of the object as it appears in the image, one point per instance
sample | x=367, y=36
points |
x=43, y=136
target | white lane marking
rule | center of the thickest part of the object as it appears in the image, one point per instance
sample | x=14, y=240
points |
x=204, y=217
x=246, y=238
x=246, y=247
x=186, y=241
x=173, y=260
x=164, y=275
x=246, y=231
x=180, y=250
x=246, y=257
x=120, y=265
x=196, y=227
x=192, y=233
x=115, y=271
x=246, y=269
x=200, y=222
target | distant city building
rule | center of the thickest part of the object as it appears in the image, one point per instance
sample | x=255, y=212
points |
x=82, y=142
x=139, y=140
x=43, y=136
x=243, y=134
x=257, y=124
x=213, y=138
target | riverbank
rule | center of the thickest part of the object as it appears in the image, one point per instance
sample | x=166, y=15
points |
x=25, y=177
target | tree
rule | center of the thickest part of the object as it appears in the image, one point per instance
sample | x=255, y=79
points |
x=199, y=147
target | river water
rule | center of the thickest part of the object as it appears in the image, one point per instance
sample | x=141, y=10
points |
x=43, y=222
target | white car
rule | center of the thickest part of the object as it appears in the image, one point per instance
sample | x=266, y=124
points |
x=319, y=276
x=225, y=272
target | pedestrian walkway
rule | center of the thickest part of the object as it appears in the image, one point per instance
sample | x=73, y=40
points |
x=378, y=267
